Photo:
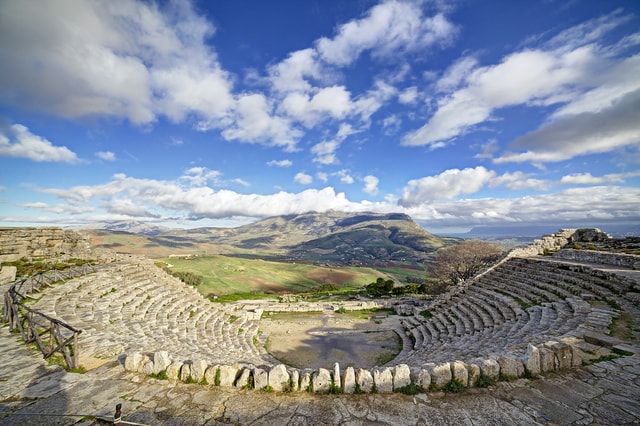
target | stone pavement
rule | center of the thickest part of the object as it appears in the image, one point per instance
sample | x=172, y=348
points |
x=607, y=393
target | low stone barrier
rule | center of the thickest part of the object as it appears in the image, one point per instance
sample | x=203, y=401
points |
x=551, y=356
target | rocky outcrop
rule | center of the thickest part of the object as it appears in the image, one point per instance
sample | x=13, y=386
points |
x=16, y=243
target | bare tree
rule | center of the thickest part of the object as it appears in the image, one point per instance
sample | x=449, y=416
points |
x=462, y=261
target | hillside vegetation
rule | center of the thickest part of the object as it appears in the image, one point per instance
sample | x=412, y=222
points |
x=288, y=253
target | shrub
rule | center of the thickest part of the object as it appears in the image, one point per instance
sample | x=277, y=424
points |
x=410, y=389
x=454, y=386
x=485, y=381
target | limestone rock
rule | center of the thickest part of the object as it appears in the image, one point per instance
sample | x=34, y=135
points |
x=198, y=368
x=562, y=352
x=321, y=380
x=173, y=370
x=133, y=362
x=532, y=360
x=440, y=374
x=473, y=372
x=185, y=372
x=278, y=378
x=383, y=379
x=336, y=375
x=210, y=375
x=243, y=379
x=305, y=381
x=401, y=376
x=548, y=360
x=364, y=379
x=147, y=367
x=295, y=380
x=421, y=377
x=260, y=378
x=161, y=361
x=490, y=368
x=349, y=380
x=510, y=366
x=459, y=372
x=228, y=375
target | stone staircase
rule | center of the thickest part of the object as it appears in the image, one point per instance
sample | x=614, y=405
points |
x=138, y=307
x=528, y=300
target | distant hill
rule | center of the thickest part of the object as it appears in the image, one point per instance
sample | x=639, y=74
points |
x=332, y=237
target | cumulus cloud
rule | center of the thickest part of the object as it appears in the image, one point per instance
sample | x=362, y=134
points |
x=133, y=60
x=388, y=28
x=33, y=147
x=446, y=185
x=280, y=163
x=581, y=134
x=106, y=155
x=572, y=71
x=303, y=178
x=519, y=180
x=589, y=179
x=345, y=176
x=370, y=184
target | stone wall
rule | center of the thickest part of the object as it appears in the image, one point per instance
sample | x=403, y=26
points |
x=601, y=258
x=559, y=240
x=16, y=243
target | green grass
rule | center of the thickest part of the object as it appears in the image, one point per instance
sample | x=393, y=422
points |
x=224, y=275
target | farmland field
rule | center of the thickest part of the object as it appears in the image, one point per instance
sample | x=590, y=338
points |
x=226, y=275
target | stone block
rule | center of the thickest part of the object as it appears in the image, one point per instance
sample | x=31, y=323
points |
x=185, y=372
x=364, y=380
x=198, y=368
x=349, y=380
x=383, y=380
x=173, y=370
x=305, y=381
x=161, y=361
x=440, y=374
x=531, y=360
x=295, y=380
x=243, y=378
x=260, y=378
x=548, y=360
x=147, y=367
x=278, y=378
x=401, y=376
x=563, y=353
x=321, y=380
x=511, y=366
x=490, y=368
x=337, y=382
x=210, y=375
x=460, y=373
x=421, y=377
x=133, y=361
x=228, y=374
x=473, y=373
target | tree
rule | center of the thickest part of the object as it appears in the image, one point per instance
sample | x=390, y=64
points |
x=462, y=261
x=380, y=287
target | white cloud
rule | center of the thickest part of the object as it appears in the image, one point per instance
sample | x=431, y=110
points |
x=241, y=182
x=345, y=176
x=27, y=145
x=334, y=102
x=256, y=124
x=322, y=176
x=571, y=69
x=518, y=180
x=325, y=152
x=303, y=178
x=388, y=28
x=446, y=185
x=125, y=59
x=589, y=179
x=408, y=95
x=291, y=73
x=280, y=163
x=370, y=184
x=106, y=155
x=581, y=134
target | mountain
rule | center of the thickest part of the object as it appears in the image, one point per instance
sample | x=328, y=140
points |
x=131, y=226
x=332, y=237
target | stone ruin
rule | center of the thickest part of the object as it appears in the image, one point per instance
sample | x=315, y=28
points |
x=530, y=314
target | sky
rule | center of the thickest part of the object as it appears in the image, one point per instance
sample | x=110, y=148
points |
x=462, y=114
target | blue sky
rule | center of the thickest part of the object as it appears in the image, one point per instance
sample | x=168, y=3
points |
x=186, y=114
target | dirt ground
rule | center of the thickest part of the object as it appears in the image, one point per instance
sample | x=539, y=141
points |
x=317, y=340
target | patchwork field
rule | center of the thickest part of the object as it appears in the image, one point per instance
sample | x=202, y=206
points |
x=226, y=275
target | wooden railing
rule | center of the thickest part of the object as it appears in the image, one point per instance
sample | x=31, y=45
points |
x=50, y=334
